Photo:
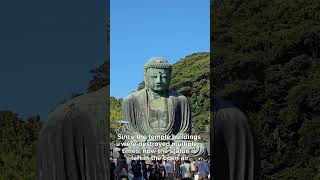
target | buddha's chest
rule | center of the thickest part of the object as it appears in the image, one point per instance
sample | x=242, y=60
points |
x=159, y=113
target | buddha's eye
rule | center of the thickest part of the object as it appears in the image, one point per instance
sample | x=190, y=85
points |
x=154, y=76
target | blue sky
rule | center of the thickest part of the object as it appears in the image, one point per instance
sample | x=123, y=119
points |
x=141, y=29
x=47, y=49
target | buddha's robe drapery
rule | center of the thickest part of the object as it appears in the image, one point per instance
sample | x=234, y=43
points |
x=136, y=110
x=235, y=154
x=72, y=144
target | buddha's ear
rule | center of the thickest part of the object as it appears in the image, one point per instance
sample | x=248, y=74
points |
x=144, y=78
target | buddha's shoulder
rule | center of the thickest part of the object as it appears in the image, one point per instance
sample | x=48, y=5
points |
x=83, y=105
x=226, y=110
x=177, y=95
x=140, y=94
x=137, y=94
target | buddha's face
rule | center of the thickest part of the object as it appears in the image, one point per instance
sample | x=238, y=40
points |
x=157, y=80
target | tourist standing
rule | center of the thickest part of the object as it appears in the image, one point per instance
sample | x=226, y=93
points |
x=122, y=167
x=144, y=169
x=136, y=170
x=194, y=168
x=204, y=169
x=185, y=170
x=169, y=170
x=161, y=172
x=112, y=170
x=176, y=169
x=123, y=174
x=152, y=170
x=130, y=173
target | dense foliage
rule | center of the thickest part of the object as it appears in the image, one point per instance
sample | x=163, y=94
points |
x=191, y=78
x=99, y=77
x=266, y=55
x=115, y=116
x=17, y=146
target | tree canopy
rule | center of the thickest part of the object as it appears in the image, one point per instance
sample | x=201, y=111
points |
x=17, y=145
x=266, y=57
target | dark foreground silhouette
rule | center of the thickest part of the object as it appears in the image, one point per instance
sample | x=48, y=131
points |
x=235, y=154
x=72, y=144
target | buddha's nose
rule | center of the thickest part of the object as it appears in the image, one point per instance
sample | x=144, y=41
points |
x=158, y=81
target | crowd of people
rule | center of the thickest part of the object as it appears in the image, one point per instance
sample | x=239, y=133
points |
x=192, y=169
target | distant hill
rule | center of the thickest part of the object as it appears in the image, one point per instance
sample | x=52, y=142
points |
x=191, y=78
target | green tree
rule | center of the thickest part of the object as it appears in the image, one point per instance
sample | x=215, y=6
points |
x=115, y=116
x=100, y=77
x=17, y=145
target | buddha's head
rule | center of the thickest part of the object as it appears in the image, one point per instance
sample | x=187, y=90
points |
x=157, y=74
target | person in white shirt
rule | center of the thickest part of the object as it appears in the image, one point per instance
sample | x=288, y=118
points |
x=185, y=170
